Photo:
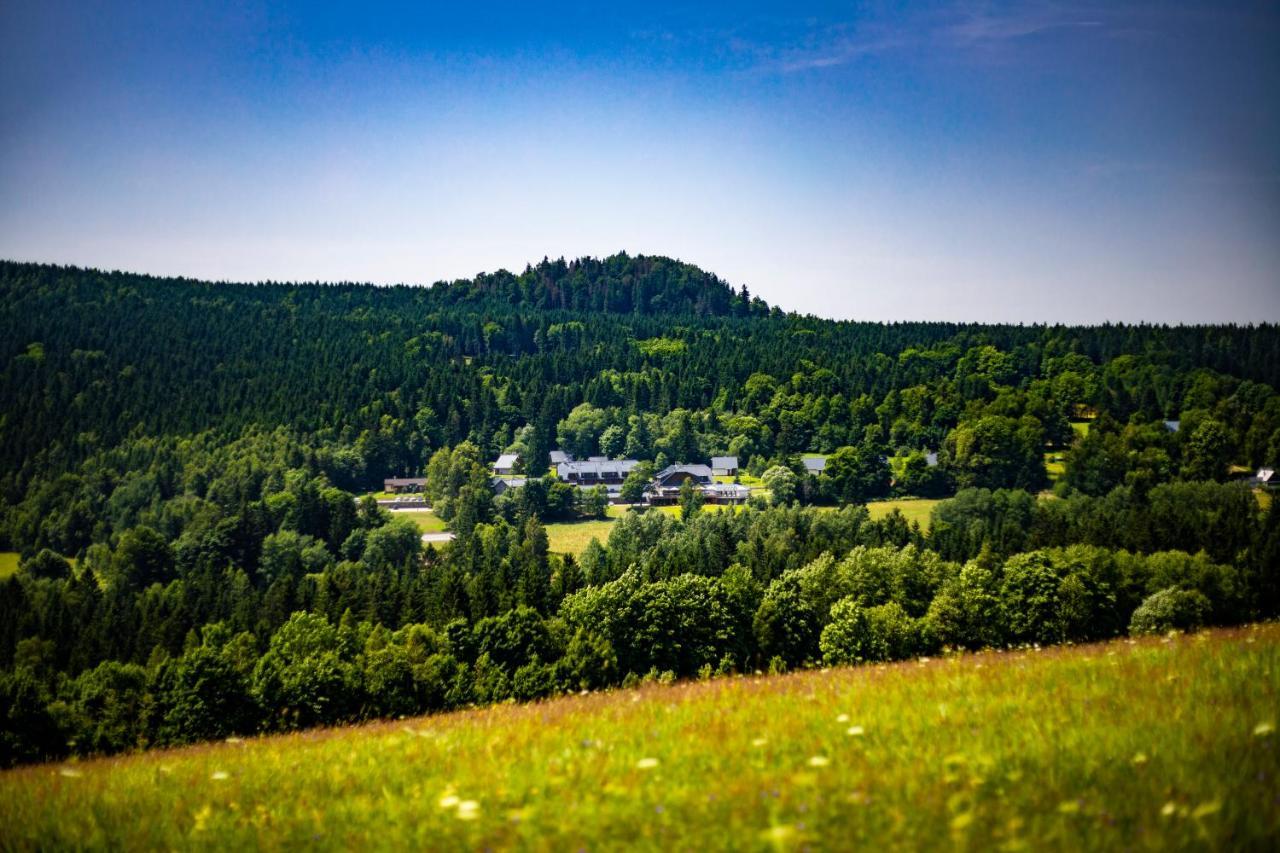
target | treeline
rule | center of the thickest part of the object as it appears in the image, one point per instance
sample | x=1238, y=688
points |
x=144, y=644
x=379, y=378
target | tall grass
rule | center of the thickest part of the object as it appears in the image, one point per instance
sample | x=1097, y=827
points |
x=1154, y=744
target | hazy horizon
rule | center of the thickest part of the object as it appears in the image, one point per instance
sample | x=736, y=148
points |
x=1043, y=162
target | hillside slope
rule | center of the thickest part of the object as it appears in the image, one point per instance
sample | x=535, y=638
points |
x=1150, y=744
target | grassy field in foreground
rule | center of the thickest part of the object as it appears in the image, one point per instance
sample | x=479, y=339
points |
x=1162, y=743
x=8, y=563
x=915, y=509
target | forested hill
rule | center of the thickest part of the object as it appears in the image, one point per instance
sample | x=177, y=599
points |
x=380, y=376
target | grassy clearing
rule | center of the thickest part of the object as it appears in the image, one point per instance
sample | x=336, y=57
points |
x=573, y=537
x=1081, y=428
x=8, y=563
x=1153, y=745
x=915, y=509
x=1055, y=465
x=427, y=520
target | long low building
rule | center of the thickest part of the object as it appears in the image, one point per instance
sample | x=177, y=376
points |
x=399, y=485
x=604, y=472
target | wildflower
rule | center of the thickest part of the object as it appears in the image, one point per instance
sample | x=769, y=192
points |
x=843, y=718
x=819, y=761
x=234, y=739
x=647, y=763
x=1263, y=729
x=448, y=801
x=70, y=772
x=1169, y=808
x=854, y=731
x=468, y=810
x=219, y=775
x=1139, y=759
x=760, y=741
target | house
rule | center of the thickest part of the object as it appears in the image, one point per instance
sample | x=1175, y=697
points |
x=1266, y=478
x=400, y=485
x=1173, y=426
x=931, y=459
x=666, y=486
x=502, y=485
x=814, y=465
x=597, y=458
x=559, y=457
x=724, y=466
x=602, y=472
x=506, y=464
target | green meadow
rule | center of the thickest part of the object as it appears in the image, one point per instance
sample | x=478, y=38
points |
x=427, y=520
x=1163, y=743
x=8, y=563
x=915, y=509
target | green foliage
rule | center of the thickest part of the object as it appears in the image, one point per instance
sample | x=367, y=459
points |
x=1170, y=609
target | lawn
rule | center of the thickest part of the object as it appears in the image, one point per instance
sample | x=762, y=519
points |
x=572, y=537
x=1165, y=743
x=427, y=520
x=915, y=509
x=1055, y=465
x=8, y=563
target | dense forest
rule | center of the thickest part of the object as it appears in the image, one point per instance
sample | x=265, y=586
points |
x=183, y=466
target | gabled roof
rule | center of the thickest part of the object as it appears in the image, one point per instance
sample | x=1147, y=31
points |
x=702, y=472
x=1266, y=475
x=815, y=464
x=724, y=462
x=405, y=481
x=597, y=458
x=501, y=484
x=559, y=457
x=1172, y=426
x=507, y=460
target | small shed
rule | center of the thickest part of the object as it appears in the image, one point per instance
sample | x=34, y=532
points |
x=506, y=464
x=724, y=466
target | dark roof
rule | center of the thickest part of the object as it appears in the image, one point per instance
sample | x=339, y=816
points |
x=405, y=481
x=699, y=471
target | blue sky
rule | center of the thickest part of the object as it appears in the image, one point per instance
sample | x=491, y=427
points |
x=951, y=160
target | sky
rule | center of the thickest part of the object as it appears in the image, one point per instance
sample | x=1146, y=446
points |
x=968, y=161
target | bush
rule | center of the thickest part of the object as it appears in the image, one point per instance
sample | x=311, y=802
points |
x=1170, y=609
x=857, y=634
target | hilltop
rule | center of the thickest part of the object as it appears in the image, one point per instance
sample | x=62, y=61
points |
x=1158, y=743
